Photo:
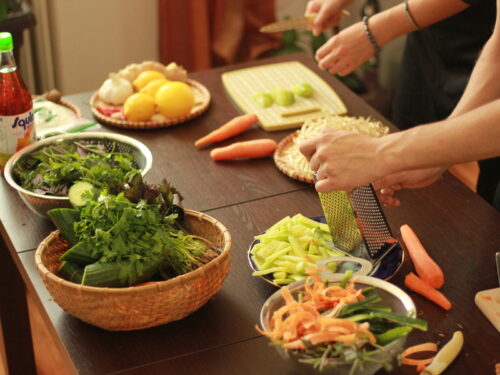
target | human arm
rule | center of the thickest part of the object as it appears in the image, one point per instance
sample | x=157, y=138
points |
x=347, y=50
x=483, y=84
x=345, y=160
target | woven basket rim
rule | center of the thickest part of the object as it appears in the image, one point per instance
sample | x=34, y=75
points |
x=284, y=167
x=143, y=289
x=141, y=125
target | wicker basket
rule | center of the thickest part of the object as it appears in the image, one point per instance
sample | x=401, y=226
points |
x=132, y=308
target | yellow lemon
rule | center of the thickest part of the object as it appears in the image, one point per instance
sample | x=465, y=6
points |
x=174, y=99
x=145, y=77
x=152, y=87
x=139, y=107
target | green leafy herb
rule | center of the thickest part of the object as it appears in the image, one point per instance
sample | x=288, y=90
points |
x=54, y=168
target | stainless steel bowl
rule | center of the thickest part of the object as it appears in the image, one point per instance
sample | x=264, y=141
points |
x=391, y=295
x=40, y=203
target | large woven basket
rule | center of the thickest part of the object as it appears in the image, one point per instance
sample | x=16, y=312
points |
x=132, y=308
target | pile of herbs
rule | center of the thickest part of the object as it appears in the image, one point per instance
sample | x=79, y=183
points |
x=386, y=325
x=135, y=236
x=52, y=169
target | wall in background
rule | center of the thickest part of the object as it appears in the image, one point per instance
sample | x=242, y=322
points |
x=91, y=38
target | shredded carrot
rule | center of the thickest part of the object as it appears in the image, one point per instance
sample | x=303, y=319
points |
x=421, y=287
x=257, y=148
x=231, y=128
x=426, y=347
x=298, y=321
x=420, y=348
x=426, y=268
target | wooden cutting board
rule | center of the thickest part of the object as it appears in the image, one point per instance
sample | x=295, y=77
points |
x=488, y=302
x=243, y=83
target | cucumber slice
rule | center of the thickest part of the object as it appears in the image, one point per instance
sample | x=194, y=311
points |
x=63, y=219
x=77, y=194
x=119, y=274
x=81, y=253
x=71, y=272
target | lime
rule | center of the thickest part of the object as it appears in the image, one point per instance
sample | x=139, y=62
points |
x=263, y=99
x=283, y=97
x=174, y=99
x=139, y=107
x=303, y=89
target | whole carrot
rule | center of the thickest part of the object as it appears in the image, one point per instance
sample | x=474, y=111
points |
x=257, y=148
x=231, y=128
x=419, y=286
x=426, y=268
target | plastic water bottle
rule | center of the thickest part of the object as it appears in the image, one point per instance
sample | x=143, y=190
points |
x=16, y=115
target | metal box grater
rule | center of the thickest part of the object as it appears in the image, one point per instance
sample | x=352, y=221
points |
x=357, y=223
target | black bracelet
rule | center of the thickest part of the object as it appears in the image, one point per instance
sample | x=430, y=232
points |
x=408, y=13
x=369, y=34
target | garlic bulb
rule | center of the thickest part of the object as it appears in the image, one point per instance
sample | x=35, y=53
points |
x=115, y=90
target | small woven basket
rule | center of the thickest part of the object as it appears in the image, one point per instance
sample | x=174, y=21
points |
x=138, y=307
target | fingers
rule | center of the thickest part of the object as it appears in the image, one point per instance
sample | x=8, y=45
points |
x=389, y=201
x=308, y=147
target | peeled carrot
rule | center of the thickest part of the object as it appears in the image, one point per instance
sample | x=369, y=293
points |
x=426, y=268
x=421, y=287
x=257, y=148
x=231, y=128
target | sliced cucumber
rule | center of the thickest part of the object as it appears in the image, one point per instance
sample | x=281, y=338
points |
x=119, y=274
x=63, y=219
x=71, y=272
x=81, y=253
x=77, y=193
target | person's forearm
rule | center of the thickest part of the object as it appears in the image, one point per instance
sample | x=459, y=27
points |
x=474, y=135
x=483, y=84
x=393, y=22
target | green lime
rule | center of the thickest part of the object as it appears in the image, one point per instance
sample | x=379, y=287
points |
x=263, y=99
x=303, y=89
x=283, y=97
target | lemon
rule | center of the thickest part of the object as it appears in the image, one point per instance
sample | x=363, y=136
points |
x=152, y=87
x=139, y=107
x=145, y=77
x=174, y=99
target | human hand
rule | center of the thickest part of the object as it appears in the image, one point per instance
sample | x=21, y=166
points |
x=344, y=160
x=346, y=51
x=328, y=13
x=387, y=186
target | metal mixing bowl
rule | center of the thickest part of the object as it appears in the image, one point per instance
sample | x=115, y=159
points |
x=40, y=203
x=391, y=295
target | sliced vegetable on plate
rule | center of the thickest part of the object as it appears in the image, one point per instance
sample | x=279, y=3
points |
x=284, y=252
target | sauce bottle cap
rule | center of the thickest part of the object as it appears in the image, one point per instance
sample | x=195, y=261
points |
x=6, y=43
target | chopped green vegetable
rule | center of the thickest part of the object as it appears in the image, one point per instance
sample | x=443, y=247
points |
x=80, y=193
x=291, y=246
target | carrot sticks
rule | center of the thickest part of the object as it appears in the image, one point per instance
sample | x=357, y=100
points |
x=426, y=268
x=231, y=128
x=421, y=287
x=257, y=148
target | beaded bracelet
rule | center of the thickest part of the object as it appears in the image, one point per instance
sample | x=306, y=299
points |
x=408, y=13
x=370, y=35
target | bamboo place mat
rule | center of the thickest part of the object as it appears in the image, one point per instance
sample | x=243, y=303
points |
x=243, y=83
x=201, y=99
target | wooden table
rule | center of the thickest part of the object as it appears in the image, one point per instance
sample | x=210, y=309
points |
x=458, y=228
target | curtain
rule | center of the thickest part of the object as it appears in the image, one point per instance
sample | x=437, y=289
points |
x=201, y=34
